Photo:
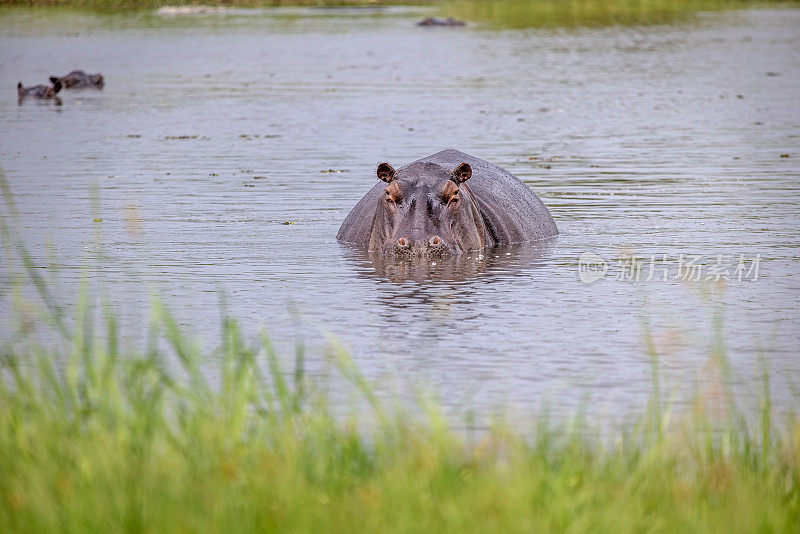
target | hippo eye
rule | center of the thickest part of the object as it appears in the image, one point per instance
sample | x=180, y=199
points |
x=453, y=199
x=389, y=197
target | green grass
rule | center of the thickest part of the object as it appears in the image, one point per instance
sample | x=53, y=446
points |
x=498, y=13
x=92, y=439
x=570, y=13
x=97, y=439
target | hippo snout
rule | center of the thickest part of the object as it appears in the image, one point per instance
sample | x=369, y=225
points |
x=433, y=246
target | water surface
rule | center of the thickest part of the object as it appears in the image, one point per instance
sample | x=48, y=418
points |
x=214, y=132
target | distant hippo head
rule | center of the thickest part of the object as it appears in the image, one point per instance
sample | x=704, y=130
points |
x=39, y=91
x=426, y=211
x=78, y=78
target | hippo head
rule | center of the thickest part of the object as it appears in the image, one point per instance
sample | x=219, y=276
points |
x=96, y=79
x=55, y=88
x=426, y=210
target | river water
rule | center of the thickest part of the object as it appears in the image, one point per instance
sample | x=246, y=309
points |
x=666, y=143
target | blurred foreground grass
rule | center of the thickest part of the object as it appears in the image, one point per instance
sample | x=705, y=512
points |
x=499, y=13
x=97, y=438
x=93, y=439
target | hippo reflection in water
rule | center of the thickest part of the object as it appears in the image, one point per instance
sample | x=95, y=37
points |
x=446, y=204
x=503, y=260
x=39, y=91
x=78, y=78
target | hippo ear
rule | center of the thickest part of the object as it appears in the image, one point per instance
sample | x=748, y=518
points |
x=57, y=86
x=462, y=173
x=53, y=79
x=386, y=172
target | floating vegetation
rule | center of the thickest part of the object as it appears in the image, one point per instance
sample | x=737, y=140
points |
x=551, y=158
x=257, y=136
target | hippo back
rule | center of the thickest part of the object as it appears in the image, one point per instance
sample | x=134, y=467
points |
x=511, y=210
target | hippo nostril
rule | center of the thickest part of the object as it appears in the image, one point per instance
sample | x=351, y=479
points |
x=435, y=241
x=402, y=242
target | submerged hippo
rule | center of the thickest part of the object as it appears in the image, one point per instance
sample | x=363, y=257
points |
x=446, y=204
x=78, y=78
x=437, y=21
x=38, y=91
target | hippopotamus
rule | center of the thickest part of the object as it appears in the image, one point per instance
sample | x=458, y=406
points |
x=78, y=78
x=446, y=204
x=38, y=91
x=437, y=21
